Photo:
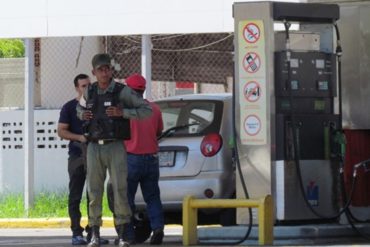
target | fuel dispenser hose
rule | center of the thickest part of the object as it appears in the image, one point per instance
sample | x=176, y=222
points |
x=350, y=217
x=296, y=147
x=242, y=181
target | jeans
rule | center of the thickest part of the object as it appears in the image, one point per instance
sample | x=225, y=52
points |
x=144, y=170
x=77, y=176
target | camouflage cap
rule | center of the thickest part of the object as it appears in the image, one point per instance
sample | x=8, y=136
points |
x=101, y=60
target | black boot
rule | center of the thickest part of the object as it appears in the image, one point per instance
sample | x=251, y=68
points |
x=157, y=237
x=88, y=230
x=95, y=239
x=122, y=242
x=116, y=240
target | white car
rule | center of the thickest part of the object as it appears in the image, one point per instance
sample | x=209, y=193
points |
x=196, y=155
x=196, y=152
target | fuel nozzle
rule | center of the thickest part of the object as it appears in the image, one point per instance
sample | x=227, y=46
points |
x=363, y=164
x=337, y=142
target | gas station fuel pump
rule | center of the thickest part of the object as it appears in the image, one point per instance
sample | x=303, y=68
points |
x=305, y=92
x=287, y=130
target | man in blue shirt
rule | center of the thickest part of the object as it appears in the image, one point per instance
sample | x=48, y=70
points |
x=70, y=128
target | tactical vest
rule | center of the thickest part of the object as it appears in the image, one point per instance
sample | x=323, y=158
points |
x=102, y=127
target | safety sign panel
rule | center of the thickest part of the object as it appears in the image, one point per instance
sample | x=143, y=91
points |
x=252, y=91
x=251, y=33
x=251, y=62
x=252, y=125
x=252, y=83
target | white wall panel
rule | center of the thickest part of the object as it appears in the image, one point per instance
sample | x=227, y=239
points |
x=51, y=172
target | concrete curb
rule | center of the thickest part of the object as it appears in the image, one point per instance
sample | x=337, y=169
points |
x=46, y=222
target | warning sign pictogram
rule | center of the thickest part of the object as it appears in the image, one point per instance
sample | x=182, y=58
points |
x=252, y=91
x=251, y=33
x=252, y=125
x=251, y=62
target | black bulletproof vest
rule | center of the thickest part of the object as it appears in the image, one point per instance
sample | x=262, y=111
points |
x=102, y=127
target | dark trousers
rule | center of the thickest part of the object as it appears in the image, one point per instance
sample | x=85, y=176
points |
x=143, y=170
x=77, y=177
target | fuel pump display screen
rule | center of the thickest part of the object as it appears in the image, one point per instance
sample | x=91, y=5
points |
x=312, y=74
x=310, y=86
x=323, y=85
x=294, y=63
x=320, y=63
x=294, y=85
x=304, y=105
x=319, y=105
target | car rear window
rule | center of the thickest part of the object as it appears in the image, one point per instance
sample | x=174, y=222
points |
x=198, y=117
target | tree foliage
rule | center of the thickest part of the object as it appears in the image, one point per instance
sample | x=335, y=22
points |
x=11, y=48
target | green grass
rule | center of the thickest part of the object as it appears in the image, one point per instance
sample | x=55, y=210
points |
x=46, y=204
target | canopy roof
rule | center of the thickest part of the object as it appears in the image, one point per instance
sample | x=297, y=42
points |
x=54, y=18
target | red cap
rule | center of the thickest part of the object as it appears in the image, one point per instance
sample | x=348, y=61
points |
x=136, y=82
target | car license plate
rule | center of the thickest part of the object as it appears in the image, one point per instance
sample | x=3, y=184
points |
x=166, y=159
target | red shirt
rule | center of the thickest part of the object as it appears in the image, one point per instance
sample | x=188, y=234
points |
x=144, y=133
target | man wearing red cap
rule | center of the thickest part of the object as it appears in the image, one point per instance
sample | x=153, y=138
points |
x=143, y=164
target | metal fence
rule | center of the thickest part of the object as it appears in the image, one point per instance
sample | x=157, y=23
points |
x=181, y=63
x=191, y=63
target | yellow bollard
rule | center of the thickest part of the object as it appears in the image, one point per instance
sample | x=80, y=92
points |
x=190, y=217
x=189, y=222
x=265, y=221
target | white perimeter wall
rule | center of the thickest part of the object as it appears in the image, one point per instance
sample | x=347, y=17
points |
x=51, y=153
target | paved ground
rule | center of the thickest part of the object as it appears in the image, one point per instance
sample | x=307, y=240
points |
x=55, y=232
x=60, y=237
x=47, y=237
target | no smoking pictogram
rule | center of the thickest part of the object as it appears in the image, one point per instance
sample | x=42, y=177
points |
x=252, y=125
x=252, y=91
x=251, y=62
x=251, y=33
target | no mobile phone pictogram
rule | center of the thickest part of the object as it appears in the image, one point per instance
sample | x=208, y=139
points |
x=251, y=62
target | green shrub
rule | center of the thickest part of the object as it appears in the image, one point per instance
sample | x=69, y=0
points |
x=11, y=48
x=47, y=204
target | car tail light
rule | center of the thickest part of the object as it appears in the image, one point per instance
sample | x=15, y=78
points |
x=211, y=144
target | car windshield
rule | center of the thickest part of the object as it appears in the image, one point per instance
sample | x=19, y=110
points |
x=191, y=117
